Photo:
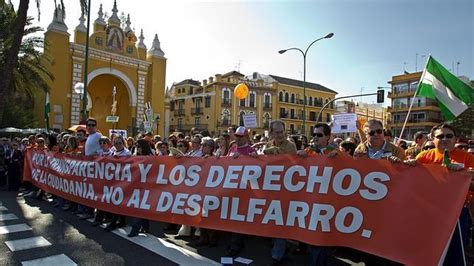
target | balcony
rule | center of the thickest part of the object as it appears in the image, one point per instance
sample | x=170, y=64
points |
x=401, y=94
x=267, y=106
x=226, y=103
x=179, y=112
x=402, y=108
x=283, y=115
x=224, y=123
x=411, y=122
x=197, y=111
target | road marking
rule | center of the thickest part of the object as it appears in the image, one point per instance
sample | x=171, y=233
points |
x=2, y=208
x=165, y=249
x=27, y=243
x=62, y=260
x=8, y=216
x=14, y=228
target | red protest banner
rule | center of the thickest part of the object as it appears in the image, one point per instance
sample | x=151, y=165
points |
x=371, y=205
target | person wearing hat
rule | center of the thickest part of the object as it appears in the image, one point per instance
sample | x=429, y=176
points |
x=242, y=147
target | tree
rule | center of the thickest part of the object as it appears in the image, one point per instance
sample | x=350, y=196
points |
x=30, y=74
x=9, y=55
x=464, y=122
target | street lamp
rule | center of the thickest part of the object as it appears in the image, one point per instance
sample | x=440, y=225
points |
x=86, y=65
x=329, y=35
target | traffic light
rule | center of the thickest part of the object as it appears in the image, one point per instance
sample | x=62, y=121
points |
x=380, y=96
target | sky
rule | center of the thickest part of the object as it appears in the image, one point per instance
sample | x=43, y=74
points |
x=373, y=39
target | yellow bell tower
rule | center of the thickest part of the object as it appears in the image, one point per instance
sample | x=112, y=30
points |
x=120, y=68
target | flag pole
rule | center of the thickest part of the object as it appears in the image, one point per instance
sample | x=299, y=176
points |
x=413, y=99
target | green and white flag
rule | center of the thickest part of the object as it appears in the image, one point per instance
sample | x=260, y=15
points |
x=452, y=94
x=47, y=110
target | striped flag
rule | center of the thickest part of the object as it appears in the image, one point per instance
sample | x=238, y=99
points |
x=452, y=94
x=47, y=110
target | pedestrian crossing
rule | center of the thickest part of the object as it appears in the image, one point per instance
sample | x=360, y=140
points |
x=29, y=243
x=10, y=224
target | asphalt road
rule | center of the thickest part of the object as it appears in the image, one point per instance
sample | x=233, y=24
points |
x=33, y=232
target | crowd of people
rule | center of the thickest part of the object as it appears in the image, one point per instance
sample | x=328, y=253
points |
x=372, y=142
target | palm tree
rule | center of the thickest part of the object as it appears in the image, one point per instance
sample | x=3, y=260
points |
x=30, y=73
x=10, y=46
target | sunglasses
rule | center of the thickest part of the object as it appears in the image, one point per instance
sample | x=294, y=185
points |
x=428, y=147
x=378, y=131
x=319, y=135
x=91, y=125
x=442, y=136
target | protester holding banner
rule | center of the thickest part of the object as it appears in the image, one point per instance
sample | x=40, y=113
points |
x=140, y=225
x=118, y=221
x=444, y=138
x=242, y=147
x=419, y=138
x=208, y=237
x=321, y=145
x=92, y=146
x=377, y=146
x=279, y=145
x=196, y=151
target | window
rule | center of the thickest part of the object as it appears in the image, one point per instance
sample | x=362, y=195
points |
x=312, y=116
x=292, y=98
x=198, y=103
x=190, y=90
x=241, y=123
x=328, y=117
x=267, y=100
x=242, y=102
x=287, y=98
x=253, y=97
x=282, y=113
x=280, y=96
x=292, y=129
x=418, y=117
x=180, y=105
x=180, y=123
x=172, y=106
x=310, y=101
x=225, y=116
x=266, y=120
x=292, y=113
x=197, y=122
x=207, y=101
x=226, y=95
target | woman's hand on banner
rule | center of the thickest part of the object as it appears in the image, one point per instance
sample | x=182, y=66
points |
x=302, y=153
x=394, y=159
x=410, y=162
x=332, y=154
